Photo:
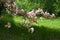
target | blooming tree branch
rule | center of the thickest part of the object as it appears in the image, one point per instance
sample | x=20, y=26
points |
x=12, y=9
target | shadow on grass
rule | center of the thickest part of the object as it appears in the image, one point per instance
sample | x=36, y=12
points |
x=21, y=33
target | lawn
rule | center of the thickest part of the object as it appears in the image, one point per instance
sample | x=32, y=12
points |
x=48, y=29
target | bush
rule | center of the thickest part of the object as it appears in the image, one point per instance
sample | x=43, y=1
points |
x=51, y=6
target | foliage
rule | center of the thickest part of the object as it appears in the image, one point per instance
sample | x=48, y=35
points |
x=20, y=27
x=13, y=9
x=51, y=6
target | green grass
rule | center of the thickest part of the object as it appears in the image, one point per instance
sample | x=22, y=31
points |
x=48, y=29
x=49, y=23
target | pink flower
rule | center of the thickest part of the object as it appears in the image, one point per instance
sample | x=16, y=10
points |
x=41, y=11
x=21, y=12
x=38, y=11
x=7, y=4
x=14, y=5
x=31, y=14
x=28, y=25
x=34, y=19
x=15, y=11
x=46, y=15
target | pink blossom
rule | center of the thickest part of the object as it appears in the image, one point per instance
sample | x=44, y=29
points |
x=34, y=19
x=41, y=11
x=16, y=11
x=28, y=25
x=14, y=5
x=31, y=14
x=7, y=4
x=38, y=11
x=21, y=12
x=46, y=14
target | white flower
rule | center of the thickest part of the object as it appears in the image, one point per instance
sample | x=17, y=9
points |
x=52, y=16
x=26, y=23
x=32, y=29
x=8, y=25
x=41, y=18
x=35, y=17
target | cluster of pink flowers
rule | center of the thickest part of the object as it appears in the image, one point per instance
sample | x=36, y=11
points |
x=28, y=25
x=39, y=11
x=31, y=13
x=12, y=8
x=32, y=16
x=45, y=14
